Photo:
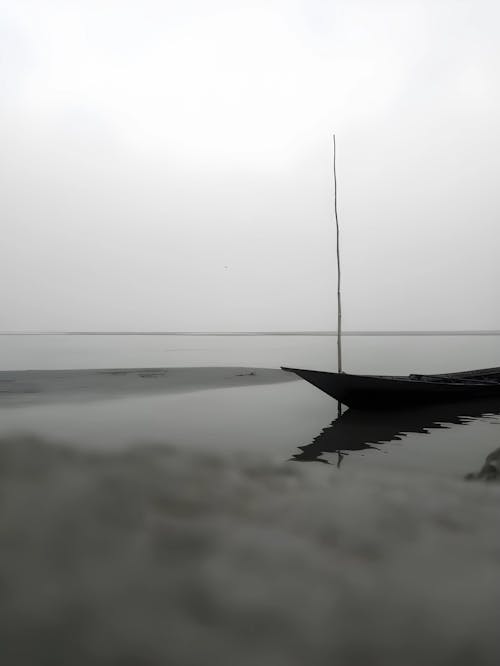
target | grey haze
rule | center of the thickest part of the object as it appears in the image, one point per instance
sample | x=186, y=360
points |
x=168, y=165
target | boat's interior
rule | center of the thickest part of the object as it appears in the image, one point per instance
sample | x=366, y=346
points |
x=469, y=377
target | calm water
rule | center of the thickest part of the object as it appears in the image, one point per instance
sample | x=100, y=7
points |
x=377, y=354
x=290, y=420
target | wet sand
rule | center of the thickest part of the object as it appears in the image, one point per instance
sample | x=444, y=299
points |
x=28, y=387
x=158, y=555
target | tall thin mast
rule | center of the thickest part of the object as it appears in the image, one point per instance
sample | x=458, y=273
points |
x=339, y=308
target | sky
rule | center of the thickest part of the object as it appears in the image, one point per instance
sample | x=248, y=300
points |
x=168, y=166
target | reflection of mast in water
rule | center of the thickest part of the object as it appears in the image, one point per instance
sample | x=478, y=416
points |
x=356, y=430
x=303, y=457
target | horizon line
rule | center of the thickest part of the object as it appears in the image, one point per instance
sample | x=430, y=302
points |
x=263, y=333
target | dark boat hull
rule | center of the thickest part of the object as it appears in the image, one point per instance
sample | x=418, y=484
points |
x=379, y=392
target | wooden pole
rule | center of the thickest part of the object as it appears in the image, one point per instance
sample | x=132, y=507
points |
x=339, y=307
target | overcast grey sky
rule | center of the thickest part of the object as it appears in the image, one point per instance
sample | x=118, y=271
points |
x=168, y=165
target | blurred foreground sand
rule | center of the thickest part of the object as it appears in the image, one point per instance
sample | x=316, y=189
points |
x=156, y=556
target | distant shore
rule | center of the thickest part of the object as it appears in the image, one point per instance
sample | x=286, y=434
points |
x=253, y=333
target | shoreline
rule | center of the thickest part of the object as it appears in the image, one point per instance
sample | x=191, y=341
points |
x=23, y=387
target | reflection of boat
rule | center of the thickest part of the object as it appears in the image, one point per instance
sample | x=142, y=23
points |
x=353, y=431
x=376, y=392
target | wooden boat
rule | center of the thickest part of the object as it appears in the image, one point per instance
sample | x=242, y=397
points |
x=389, y=392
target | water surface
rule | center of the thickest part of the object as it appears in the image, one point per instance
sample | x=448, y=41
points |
x=291, y=420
